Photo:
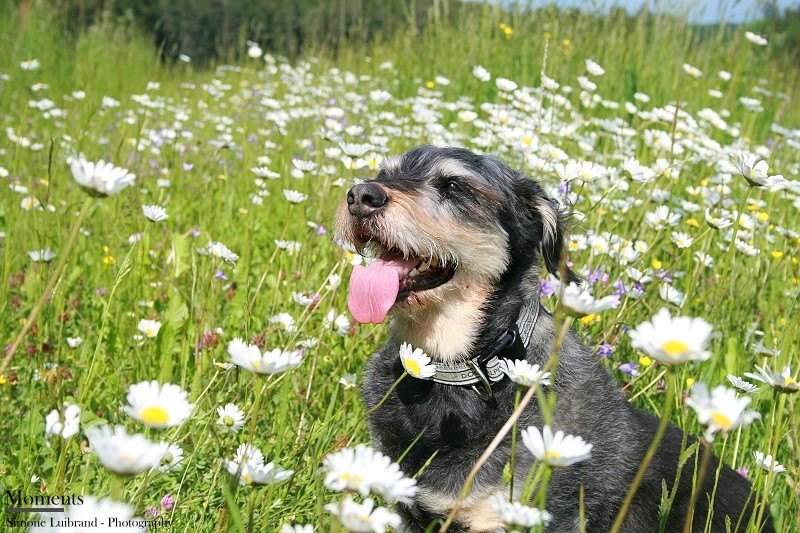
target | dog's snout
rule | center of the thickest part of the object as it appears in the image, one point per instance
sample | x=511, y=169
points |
x=365, y=199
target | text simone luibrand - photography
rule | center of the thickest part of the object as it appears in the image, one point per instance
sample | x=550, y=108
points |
x=63, y=511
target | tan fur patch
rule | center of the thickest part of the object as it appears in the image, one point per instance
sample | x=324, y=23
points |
x=446, y=328
x=476, y=511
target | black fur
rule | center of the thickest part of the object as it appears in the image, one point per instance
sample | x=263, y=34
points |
x=457, y=426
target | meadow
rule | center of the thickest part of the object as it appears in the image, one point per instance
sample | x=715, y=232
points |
x=650, y=129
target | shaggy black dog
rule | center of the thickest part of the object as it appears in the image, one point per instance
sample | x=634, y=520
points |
x=459, y=239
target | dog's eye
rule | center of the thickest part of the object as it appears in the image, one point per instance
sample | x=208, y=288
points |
x=449, y=185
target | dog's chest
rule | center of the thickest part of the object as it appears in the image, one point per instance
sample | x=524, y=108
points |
x=451, y=422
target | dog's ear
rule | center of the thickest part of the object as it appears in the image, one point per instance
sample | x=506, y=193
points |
x=554, y=223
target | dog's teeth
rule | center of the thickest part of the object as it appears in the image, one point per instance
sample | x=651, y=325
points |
x=424, y=266
x=413, y=273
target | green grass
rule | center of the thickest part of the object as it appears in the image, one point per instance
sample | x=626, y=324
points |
x=108, y=284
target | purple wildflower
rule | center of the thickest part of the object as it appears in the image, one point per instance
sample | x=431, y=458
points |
x=321, y=230
x=152, y=512
x=629, y=368
x=100, y=292
x=619, y=287
x=220, y=275
x=605, y=350
x=168, y=502
x=595, y=275
x=188, y=166
x=743, y=471
x=548, y=289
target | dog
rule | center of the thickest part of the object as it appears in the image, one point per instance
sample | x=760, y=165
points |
x=460, y=240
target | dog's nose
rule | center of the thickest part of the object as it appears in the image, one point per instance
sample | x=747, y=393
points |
x=365, y=199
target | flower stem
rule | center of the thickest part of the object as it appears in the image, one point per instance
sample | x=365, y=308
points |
x=117, y=485
x=31, y=320
x=698, y=488
x=651, y=451
x=513, y=449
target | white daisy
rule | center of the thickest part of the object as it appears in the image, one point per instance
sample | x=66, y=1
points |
x=291, y=247
x=172, y=458
x=349, y=381
x=670, y=294
x=506, y=85
x=101, y=178
x=742, y=385
x=249, y=357
x=783, y=381
x=230, y=417
x=363, y=517
x=523, y=373
x=249, y=463
x=558, y=449
x=123, y=453
x=756, y=171
x=692, y=71
x=717, y=222
x=44, y=256
x=517, y=515
x=65, y=424
x=154, y=213
x=264, y=172
x=219, y=250
x=682, y=240
x=416, y=362
x=295, y=197
x=481, y=73
x=766, y=462
x=30, y=64
x=158, y=406
x=149, y=328
x=580, y=302
x=365, y=470
x=722, y=410
x=755, y=38
x=672, y=340
x=266, y=474
x=74, y=342
x=594, y=68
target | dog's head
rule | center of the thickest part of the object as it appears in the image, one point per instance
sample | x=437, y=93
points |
x=447, y=225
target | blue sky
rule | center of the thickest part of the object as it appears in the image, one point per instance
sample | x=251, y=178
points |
x=701, y=12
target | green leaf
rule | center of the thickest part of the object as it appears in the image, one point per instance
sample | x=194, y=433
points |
x=180, y=254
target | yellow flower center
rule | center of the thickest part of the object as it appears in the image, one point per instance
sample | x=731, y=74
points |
x=149, y=332
x=789, y=380
x=155, y=415
x=347, y=476
x=675, y=347
x=552, y=454
x=721, y=421
x=413, y=368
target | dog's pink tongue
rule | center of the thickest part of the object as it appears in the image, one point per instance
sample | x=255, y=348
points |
x=374, y=288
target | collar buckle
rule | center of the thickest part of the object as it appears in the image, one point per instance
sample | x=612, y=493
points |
x=482, y=379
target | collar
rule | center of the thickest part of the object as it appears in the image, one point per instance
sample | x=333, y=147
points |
x=486, y=368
